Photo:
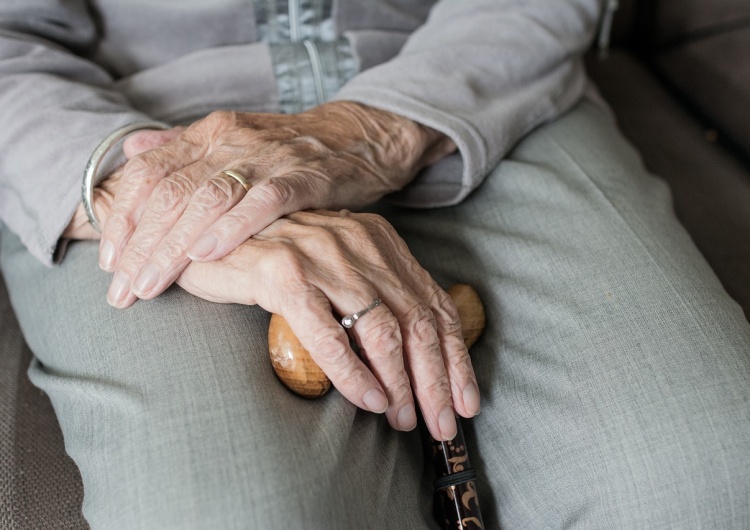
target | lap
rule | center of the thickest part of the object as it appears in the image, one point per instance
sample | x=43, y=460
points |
x=173, y=414
x=614, y=370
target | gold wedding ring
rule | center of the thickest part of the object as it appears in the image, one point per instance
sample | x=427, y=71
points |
x=239, y=178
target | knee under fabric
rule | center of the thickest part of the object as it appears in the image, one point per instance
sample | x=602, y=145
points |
x=614, y=369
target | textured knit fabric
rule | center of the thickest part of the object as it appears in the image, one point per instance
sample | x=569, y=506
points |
x=722, y=90
x=483, y=72
x=615, y=372
x=40, y=487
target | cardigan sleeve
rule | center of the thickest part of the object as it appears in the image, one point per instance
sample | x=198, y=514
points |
x=484, y=73
x=55, y=108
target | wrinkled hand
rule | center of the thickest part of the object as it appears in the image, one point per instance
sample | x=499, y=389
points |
x=173, y=204
x=104, y=193
x=310, y=263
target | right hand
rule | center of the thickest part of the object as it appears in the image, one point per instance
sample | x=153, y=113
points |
x=310, y=264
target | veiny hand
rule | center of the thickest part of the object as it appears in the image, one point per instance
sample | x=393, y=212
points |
x=312, y=263
x=173, y=204
x=104, y=193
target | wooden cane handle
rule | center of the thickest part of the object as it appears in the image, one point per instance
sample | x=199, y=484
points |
x=297, y=370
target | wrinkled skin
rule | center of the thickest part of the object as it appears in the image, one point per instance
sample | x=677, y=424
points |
x=174, y=205
x=307, y=265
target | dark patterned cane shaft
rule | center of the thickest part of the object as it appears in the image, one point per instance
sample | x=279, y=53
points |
x=456, y=501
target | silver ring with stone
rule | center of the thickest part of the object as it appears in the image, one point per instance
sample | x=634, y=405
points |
x=349, y=320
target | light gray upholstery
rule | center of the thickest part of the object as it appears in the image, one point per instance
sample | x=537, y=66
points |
x=39, y=485
x=711, y=187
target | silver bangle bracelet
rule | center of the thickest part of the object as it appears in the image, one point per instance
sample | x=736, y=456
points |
x=92, y=166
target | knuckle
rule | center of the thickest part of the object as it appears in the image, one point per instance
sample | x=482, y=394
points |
x=220, y=118
x=233, y=219
x=119, y=222
x=446, y=312
x=170, y=193
x=401, y=391
x=330, y=343
x=138, y=166
x=285, y=262
x=321, y=237
x=215, y=193
x=423, y=323
x=461, y=369
x=378, y=222
x=134, y=256
x=353, y=228
x=311, y=145
x=438, y=389
x=286, y=152
x=273, y=192
x=384, y=341
x=172, y=251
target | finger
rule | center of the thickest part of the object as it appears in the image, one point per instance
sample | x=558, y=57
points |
x=212, y=199
x=419, y=329
x=424, y=360
x=312, y=322
x=464, y=388
x=267, y=201
x=463, y=383
x=140, y=177
x=399, y=339
x=378, y=335
x=163, y=209
x=80, y=226
x=145, y=140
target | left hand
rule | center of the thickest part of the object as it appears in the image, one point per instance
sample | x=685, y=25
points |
x=105, y=192
x=309, y=264
x=173, y=204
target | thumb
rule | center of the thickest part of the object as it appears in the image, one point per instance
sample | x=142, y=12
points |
x=142, y=141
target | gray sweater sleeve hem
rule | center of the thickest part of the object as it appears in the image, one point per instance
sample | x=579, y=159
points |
x=451, y=180
x=450, y=187
x=44, y=240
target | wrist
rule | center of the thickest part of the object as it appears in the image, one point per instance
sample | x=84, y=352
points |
x=402, y=145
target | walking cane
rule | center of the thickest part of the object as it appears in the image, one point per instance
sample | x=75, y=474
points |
x=456, y=501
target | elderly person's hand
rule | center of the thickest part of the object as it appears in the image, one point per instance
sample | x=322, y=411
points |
x=105, y=192
x=311, y=264
x=174, y=205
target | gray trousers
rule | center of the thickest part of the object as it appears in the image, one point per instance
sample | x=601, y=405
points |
x=615, y=372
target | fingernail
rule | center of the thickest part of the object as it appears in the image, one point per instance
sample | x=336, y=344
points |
x=407, y=417
x=203, y=247
x=375, y=400
x=107, y=256
x=471, y=398
x=146, y=279
x=118, y=289
x=447, y=424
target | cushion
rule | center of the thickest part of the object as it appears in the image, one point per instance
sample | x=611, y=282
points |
x=713, y=73
x=710, y=186
x=40, y=486
x=675, y=20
